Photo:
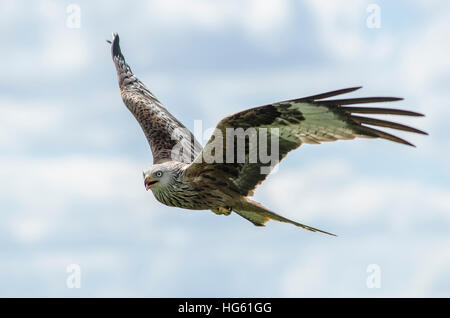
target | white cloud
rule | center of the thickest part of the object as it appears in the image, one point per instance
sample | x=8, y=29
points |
x=23, y=119
x=39, y=193
x=414, y=268
x=330, y=190
x=303, y=279
x=260, y=19
x=9, y=12
x=64, y=52
x=339, y=25
x=64, y=179
x=201, y=13
x=263, y=17
x=30, y=228
x=52, y=49
x=432, y=270
x=425, y=59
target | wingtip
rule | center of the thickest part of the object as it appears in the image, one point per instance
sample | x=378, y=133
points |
x=115, y=47
x=324, y=232
x=329, y=94
x=330, y=234
x=351, y=89
x=407, y=143
x=114, y=36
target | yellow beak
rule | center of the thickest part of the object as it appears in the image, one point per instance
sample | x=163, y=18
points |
x=149, y=182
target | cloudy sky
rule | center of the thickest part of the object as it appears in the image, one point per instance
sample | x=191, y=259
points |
x=71, y=155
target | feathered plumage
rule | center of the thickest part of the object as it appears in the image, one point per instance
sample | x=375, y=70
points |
x=156, y=122
x=186, y=179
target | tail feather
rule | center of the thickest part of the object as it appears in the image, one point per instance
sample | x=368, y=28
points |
x=259, y=216
x=256, y=218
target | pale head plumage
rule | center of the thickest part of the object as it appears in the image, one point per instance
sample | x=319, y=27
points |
x=159, y=177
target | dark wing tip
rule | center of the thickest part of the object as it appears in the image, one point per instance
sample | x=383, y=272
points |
x=379, y=111
x=115, y=47
x=358, y=100
x=330, y=94
x=385, y=123
x=372, y=132
x=312, y=229
x=324, y=232
x=417, y=114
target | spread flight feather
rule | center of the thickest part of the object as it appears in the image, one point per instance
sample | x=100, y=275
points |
x=181, y=178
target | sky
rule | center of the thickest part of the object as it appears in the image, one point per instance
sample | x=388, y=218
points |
x=76, y=220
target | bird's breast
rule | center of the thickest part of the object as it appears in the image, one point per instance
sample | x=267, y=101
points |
x=191, y=198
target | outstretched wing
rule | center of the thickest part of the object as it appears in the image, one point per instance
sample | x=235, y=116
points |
x=168, y=138
x=310, y=120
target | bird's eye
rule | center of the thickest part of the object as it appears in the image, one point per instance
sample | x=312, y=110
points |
x=158, y=174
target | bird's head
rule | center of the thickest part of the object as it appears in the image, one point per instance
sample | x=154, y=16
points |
x=159, y=176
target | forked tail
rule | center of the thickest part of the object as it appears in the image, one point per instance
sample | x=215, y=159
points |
x=259, y=215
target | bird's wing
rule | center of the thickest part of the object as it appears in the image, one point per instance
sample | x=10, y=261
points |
x=311, y=120
x=168, y=138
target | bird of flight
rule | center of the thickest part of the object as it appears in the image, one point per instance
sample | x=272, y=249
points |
x=183, y=174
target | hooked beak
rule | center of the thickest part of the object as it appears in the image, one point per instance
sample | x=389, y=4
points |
x=149, y=182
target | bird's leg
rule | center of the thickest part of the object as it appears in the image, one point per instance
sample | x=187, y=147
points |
x=222, y=210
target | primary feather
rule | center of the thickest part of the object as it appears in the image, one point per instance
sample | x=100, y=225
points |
x=187, y=180
x=163, y=131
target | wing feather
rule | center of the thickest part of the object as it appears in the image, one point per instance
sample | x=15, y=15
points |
x=309, y=120
x=378, y=110
x=385, y=123
x=168, y=138
x=364, y=100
